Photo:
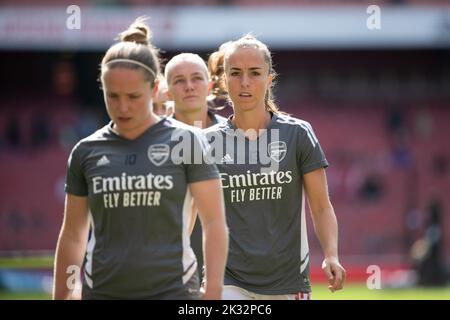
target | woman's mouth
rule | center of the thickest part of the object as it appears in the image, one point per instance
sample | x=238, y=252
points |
x=124, y=119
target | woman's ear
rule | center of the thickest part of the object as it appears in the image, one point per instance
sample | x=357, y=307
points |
x=270, y=80
x=155, y=89
x=210, y=86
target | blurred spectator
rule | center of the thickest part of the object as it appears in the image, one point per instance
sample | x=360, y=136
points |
x=40, y=130
x=13, y=134
x=439, y=165
x=64, y=80
x=396, y=123
x=68, y=137
x=427, y=252
x=423, y=124
x=372, y=188
x=401, y=152
x=400, y=140
x=412, y=224
x=15, y=220
x=88, y=124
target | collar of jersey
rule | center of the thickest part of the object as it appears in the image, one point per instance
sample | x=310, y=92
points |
x=149, y=129
x=273, y=120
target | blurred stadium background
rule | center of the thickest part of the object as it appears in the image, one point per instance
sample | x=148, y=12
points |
x=379, y=101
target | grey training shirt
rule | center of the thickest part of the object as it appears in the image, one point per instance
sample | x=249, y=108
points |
x=265, y=209
x=139, y=204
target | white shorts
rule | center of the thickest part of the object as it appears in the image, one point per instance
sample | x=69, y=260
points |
x=237, y=293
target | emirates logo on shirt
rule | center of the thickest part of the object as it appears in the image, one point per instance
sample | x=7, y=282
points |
x=277, y=150
x=158, y=153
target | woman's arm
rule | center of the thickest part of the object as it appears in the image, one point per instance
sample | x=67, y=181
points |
x=325, y=225
x=71, y=245
x=209, y=201
x=193, y=218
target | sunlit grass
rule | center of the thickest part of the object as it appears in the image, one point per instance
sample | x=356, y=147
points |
x=40, y=262
x=320, y=292
x=361, y=292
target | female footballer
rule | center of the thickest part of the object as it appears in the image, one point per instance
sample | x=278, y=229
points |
x=271, y=164
x=125, y=183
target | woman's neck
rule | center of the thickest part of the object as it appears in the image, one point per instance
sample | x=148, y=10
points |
x=198, y=118
x=255, y=119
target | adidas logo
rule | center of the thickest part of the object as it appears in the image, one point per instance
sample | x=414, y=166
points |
x=190, y=290
x=226, y=159
x=103, y=161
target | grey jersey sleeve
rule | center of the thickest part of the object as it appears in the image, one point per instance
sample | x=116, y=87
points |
x=76, y=183
x=310, y=154
x=198, y=167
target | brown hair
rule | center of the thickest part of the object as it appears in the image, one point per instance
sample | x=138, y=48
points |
x=217, y=71
x=134, y=45
x=249, y=41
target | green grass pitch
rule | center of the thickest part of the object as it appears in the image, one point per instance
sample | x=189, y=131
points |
x=352, y=291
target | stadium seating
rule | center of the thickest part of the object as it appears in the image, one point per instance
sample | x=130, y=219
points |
x=354, y=138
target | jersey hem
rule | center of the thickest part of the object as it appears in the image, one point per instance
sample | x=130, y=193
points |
x=203, y=178
x=75, y=193
x=290, y=290
x=315, y=166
